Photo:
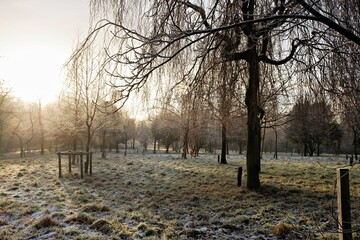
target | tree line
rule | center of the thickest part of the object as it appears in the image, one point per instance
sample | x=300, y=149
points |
x=309, y=127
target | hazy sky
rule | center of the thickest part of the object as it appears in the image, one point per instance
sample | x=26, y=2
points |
x=36, y=38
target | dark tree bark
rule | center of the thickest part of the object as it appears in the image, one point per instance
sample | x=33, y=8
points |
x=74, y=147
x=185, y=144
x=305, y=149
x=355, y=142
x=154, y=145
x=223, y=144
x=276, y=143
x=126, y=144
x=255, y=114
x=240, y=147
x=117, y=146
x=186, y=128
x=103, y=151
x=87, y=146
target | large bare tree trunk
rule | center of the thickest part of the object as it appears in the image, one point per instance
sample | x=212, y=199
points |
x=255, y=113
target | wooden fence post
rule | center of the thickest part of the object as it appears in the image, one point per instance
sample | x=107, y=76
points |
x=81, y=166
x=69, y=163
x=239, y=176
x=59, y=159
x=90, y=163
x=343, y=197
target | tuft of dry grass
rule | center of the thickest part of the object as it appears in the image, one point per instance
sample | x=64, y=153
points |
x=80, y=218
x=331, y=236
x=45, y=221
x=3, y=222
x=282, y=230
x=5, y=203
x=102, y=225
x=95, y=208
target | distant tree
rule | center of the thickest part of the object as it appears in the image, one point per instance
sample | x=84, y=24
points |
x=129, y=131
x=311, y=125
x=132, y=131
x=175, y=119
x=169, y=128
x=194, y=121
x=7, y=110
x=220, y=98
x=42, y=130
x=155, y=131
x=237, y=131
x=23, y=126
x=144, y=134
x=186, y=102
x=335, y=136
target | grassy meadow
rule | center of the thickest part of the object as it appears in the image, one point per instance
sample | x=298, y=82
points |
x=165, y=197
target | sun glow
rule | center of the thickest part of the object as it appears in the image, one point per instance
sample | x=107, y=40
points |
x=33, y=72
x=36, y=39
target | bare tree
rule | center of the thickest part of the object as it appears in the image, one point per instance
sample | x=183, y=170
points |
x=220, y=94
x=86, y=95
x=23, y=126
x=169, y=130
x=243, y=31
x=312, y=124
x=128, y=132
x=42, y=130
x=6, y=111
x=155, y=131
x=144, y=134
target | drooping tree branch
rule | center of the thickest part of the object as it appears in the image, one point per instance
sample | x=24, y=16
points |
x=294, y=47
x=330, y=23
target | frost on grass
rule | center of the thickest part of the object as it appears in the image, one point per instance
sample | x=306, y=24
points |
x=4, y=222
x=94, y=208
x=165, y=197
x=102, y=225
x=45, y=221
x=80, y=218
